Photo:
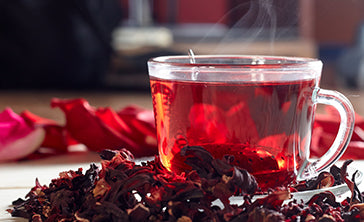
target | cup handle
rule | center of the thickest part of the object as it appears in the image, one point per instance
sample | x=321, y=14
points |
x=338, y=147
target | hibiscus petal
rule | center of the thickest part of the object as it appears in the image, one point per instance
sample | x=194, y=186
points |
x=17, y=138
x=134, y=123
x=100, y=128
x=142, y=124
x=56, y=137
x=12, y=126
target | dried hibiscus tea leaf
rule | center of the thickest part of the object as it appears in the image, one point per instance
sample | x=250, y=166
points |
x=336, y=173
x=324, y=197
x=125, y=191
x=356, y=196
x=238, y=180
x=273, y=201
x=264, y=214
x=107, y=154
x=323, y=180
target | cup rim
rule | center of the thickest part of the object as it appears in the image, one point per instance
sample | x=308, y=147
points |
x=285, y=61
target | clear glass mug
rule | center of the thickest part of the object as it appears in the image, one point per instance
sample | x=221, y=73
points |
x=260, y=109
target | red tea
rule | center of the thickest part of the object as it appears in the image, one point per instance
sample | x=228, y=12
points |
x=266, y=126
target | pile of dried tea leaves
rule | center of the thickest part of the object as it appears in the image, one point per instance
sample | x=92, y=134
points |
x=125, y=191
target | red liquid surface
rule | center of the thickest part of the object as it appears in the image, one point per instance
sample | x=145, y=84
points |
x=265, y=126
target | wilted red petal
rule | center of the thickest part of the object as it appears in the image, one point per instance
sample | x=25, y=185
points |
x=84, y=125
x=142, y=123
x=12, y=126
x=99, y=128
x=56, y=137
x=134, y=123
x=33, y=119
x=110, y=118
x=17, y=138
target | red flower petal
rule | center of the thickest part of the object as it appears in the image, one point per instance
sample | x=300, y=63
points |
x=17, y=138
x=12, y=126
x=142, y=123
x=56, y=137
x=100, y=128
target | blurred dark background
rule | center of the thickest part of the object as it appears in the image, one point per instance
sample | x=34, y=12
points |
x=105, y=44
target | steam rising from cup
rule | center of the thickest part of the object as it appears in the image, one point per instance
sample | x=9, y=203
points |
x=258, y=21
